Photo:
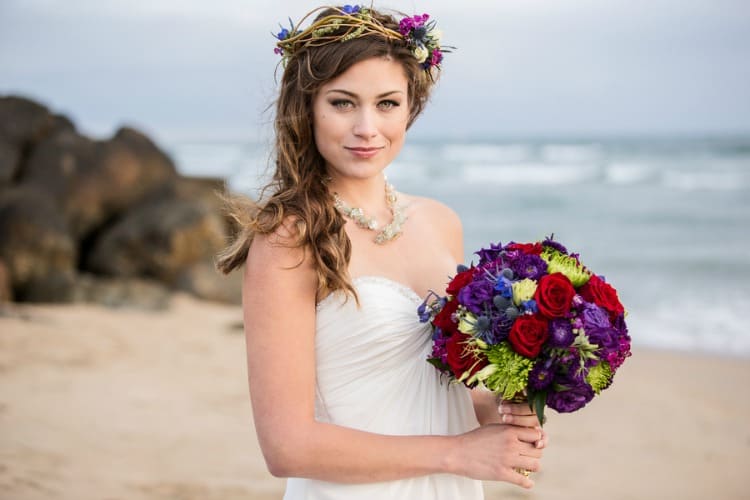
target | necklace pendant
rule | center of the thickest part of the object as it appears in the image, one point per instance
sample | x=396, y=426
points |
x=389, y=232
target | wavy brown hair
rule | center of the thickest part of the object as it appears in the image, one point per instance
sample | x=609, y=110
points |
x=297, y=191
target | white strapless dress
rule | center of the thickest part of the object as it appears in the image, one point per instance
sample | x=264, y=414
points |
x=372, y=375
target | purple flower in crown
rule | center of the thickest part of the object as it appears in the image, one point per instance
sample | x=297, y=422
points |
x=351, y=9
x=436, y=58
x=409, y=24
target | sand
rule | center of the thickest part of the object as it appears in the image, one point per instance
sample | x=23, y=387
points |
x=109, y=404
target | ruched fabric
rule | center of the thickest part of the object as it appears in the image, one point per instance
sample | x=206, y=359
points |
x=372, y=375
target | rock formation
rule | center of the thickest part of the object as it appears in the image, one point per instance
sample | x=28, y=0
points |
x=101, y=220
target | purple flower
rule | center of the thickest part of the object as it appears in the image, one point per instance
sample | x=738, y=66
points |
x=541, y=375
x=575, y=394
x=477, y=295
x=560, y=333
x=349, y=9
x=436, y=58
x=549, y=242
x=408, y=24
x=528, y=266
x=439, y=350
x=594, y=317
x=487, y=255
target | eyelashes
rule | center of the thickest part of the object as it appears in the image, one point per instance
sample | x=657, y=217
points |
x=346, y=104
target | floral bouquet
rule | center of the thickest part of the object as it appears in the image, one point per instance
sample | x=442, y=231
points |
x=529, y=321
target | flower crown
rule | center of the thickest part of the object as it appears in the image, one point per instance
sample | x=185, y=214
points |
x=349, y=22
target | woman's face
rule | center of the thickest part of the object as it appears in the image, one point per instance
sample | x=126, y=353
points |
x=360, y=118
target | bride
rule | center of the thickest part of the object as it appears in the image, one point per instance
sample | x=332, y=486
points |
x=336, y=263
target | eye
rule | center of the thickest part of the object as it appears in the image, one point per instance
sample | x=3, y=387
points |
x=342, y=104
x=388, y=104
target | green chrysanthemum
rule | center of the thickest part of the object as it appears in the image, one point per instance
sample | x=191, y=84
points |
x=599, y=377
x=507, y=372
x=558, y=262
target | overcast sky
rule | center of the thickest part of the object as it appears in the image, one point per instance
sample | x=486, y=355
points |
x=200, y=69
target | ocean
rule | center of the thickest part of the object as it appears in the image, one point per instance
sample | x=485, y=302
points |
x=665, y=221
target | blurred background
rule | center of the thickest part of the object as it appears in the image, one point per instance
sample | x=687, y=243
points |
x=621, y=126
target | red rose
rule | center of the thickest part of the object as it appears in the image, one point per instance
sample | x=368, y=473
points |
x=554, y=295
x=459, y=281
x=530, y=248
x=528, y=334
x=603, y=295
x=443, y=319
x=460, y=359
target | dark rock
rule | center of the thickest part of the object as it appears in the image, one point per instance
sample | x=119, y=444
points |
x=6, y=287
x=204, y=281
x=118, y=292
x=96, y=181
x=10, y=162
x=36, y=246
x=158, y=240
x=23, y=121
x=134, y=167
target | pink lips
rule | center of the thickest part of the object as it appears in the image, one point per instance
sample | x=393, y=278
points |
x=364, y=152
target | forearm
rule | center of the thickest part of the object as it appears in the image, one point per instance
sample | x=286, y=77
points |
x=485, y=407
x=334, y=453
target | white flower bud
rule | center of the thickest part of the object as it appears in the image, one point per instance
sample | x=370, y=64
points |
x=421, y=53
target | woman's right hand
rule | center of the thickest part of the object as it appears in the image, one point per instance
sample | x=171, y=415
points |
x=496, y=452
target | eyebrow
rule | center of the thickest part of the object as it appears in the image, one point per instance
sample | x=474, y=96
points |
x=352, y=94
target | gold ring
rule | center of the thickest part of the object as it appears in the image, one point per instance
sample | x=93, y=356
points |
x=523, y=472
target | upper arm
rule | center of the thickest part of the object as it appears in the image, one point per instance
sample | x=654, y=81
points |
x=278, y=297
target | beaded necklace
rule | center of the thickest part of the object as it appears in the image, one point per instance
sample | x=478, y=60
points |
x=391, y=231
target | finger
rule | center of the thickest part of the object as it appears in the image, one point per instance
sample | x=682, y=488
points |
x=518, y=478
x=522, y=409
x=531, y=452
x=528, y=463
x=529, y=435
x=521, y=421
x=542, y=441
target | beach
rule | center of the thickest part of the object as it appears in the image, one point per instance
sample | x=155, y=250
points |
x=101, y=403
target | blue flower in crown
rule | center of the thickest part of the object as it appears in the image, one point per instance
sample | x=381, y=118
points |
x=283, y=35
x=351, y=9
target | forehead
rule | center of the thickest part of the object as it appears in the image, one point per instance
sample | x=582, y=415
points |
x=371, y=76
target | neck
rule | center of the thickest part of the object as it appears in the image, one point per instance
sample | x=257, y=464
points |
x=369, y=194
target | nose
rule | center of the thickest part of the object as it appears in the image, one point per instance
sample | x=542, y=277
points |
x=365, y=124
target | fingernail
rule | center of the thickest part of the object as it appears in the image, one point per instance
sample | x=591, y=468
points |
x=539, y=444
x=507, y=418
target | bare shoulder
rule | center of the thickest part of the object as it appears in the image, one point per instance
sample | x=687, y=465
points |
x=276, y=260
x=436, y=213
x=441, y=218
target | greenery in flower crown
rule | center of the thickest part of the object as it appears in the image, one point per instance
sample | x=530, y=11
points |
x=349, y=22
